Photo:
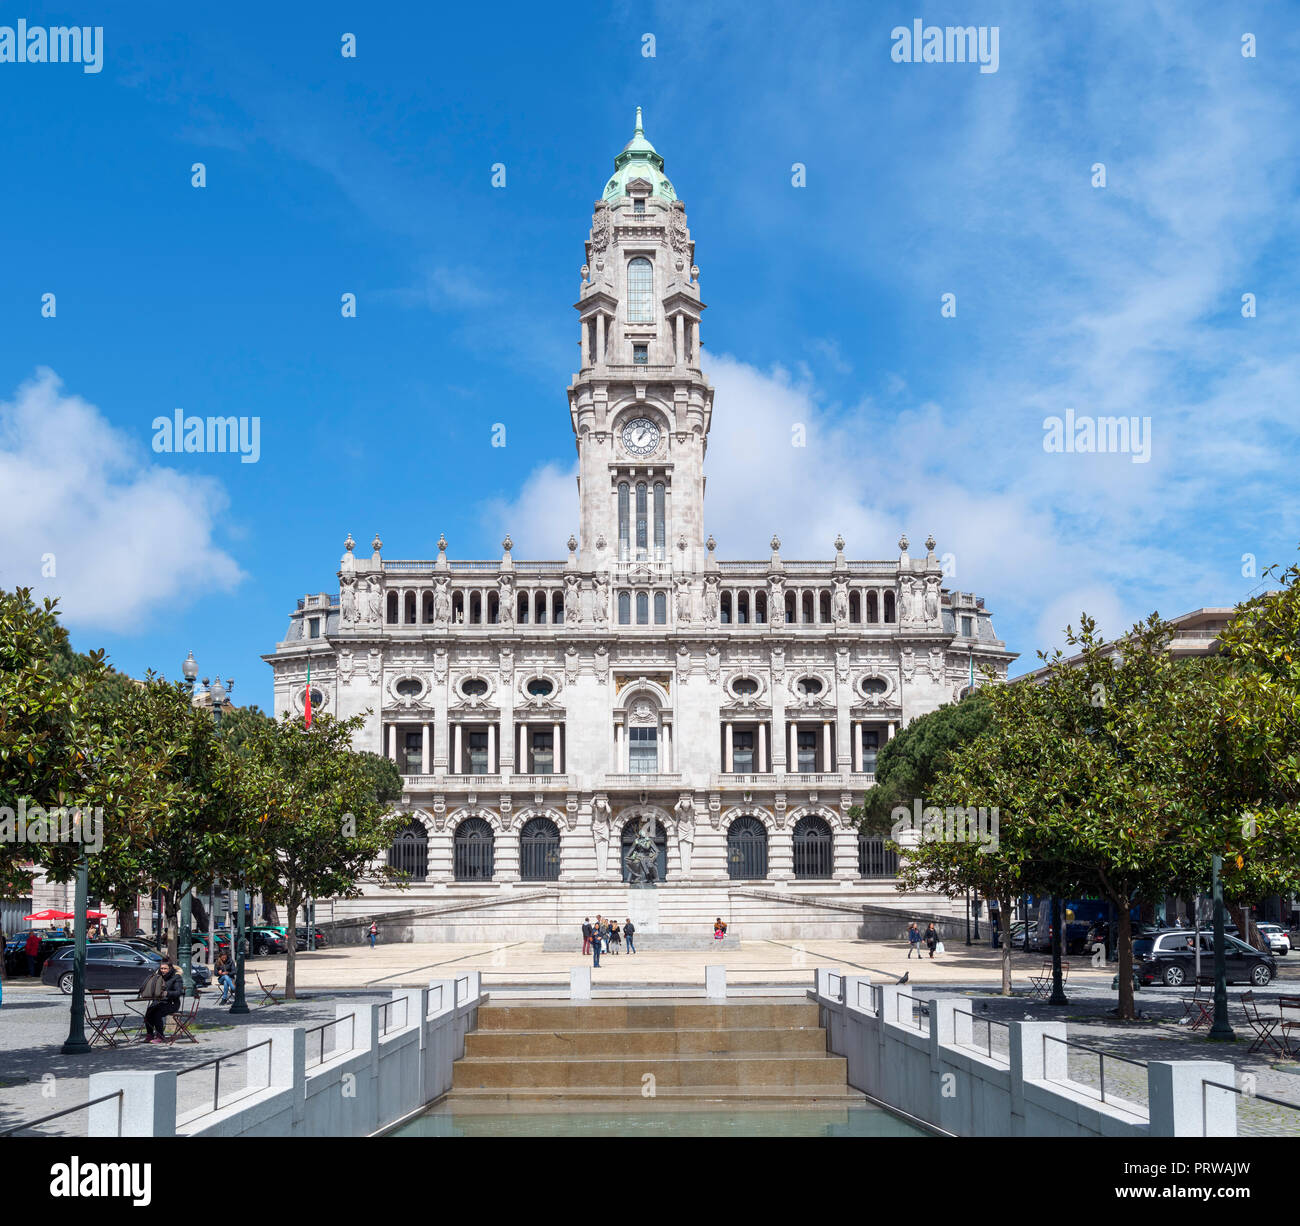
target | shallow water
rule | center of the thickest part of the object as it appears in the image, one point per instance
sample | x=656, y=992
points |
x=446, y=1120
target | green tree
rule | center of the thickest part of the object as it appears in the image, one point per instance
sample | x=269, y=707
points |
x=323, y=812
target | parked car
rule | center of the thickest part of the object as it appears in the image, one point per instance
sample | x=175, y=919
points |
x=109, y=965
x=1170, y=957
x=263, y=940
x=320, y=941
x=1279, y=940
x=16, y=950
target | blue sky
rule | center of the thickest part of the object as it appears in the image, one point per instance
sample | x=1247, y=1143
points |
x=372, y=176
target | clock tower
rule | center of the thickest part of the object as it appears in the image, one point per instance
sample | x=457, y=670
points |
x=640, y=406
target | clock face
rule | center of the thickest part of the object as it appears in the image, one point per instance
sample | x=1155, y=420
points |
x=641, y=436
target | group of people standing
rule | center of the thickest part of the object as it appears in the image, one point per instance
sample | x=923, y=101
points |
x=606, y=932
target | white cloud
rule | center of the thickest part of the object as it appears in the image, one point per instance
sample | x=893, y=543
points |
x=543, y=515
x=128, y=537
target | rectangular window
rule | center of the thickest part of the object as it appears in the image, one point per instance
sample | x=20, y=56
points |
x=478, y=755
x=641, y=522
x=640, y=355
x=638, y=205
x=742, y=752
x=966, y=627
x=643, y=750
x=314, y=627
x=640, y=291
x=807, y=743
x=414, y=753
x=543, y=754
x=870, y=747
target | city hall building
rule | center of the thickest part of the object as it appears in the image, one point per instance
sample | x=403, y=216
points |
x=541, y=712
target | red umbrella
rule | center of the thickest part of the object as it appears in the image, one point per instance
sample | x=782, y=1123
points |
x=50, y=915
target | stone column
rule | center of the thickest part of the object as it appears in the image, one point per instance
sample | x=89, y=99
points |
x=586, y=344
x=492, y=749
x=600, y=338
x=457, y=762
x=890, y=737
x=857, y=747
x=826, y=746
x=762, y=748
x=424, y=748
x=557, y=759
x=845, y=850
x=618, y=746
x=792, y=763
x=392, y=742
x=780, y=854
x=521, y=762
x=681, y=337
x=728, y=762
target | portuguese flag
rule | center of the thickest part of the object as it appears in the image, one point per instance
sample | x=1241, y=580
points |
x=306, y=703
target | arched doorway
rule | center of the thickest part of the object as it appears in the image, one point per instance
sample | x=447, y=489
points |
x=814, y=848
x=472, y=850
x=661, y=846
x=747, y=849
x=539, y=850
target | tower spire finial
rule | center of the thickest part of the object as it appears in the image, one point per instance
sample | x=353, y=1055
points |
x=638, y=122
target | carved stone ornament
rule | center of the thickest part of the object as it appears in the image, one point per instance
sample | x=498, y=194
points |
x=375, y=665
x=600, y=229
x=345, y=667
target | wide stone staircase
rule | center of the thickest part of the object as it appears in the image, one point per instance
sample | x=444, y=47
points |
x=636, y=1051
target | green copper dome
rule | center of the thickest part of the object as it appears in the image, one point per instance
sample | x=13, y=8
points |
x=639, y=161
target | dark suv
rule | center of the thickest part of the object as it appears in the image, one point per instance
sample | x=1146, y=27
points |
x=1170, y=957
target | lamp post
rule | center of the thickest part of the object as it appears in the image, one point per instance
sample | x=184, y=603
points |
x=1058, y=996
x=968, y=916
x=975, y=908
x=1221, y=1030
x=76, y=1042
x=220, y=697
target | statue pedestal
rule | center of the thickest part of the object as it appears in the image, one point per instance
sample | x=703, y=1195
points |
x=643, y=908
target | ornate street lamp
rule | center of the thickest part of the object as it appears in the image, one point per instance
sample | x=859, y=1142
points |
x=76, y=1042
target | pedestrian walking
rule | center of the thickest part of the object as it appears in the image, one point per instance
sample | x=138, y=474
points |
x=595, y=942
x=615, y=936
x=171, y=987
x=373, y=933
x=586, y=935
x=913, y=940
x=629, y=931
x=931, y=939
x=32, y=949
x=604, y=934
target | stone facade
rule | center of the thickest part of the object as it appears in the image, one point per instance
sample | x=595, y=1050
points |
x=641, y=678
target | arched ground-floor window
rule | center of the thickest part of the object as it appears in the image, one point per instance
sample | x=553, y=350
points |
x=539, y=850
x=814, y=848
x=409, y=852
x=472, y=850
x=747, y=849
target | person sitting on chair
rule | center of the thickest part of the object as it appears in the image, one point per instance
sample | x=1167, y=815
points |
x=156, y=1015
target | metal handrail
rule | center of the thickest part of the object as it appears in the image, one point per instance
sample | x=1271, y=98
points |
x=989, y=1023
x=1101, y=1061
x=1218, y=1085
x=216, y=1060
x=404, y=1001
x=456, y=988
x=832, y=975
x=920, y=1022
x=45, y=1119
x=350, y=1018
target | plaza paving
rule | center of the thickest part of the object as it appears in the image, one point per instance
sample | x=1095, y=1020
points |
x=34, y=1018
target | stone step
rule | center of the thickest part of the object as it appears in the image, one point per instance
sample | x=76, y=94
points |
x=665, y=1097
x=807, y=1073
x=607, y=1017
x=645, y=1044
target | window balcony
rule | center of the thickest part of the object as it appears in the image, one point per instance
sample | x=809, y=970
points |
x=644, y=781
x=544, y=782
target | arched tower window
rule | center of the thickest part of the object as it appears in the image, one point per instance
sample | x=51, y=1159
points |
x=624, y=520
x=641, y=512
x=873, y=608
x=640, y=291
x=661, y=609
x=392, y=608
x=659, y=521
x=642, y=608
x=889, y=606
x=624, y=609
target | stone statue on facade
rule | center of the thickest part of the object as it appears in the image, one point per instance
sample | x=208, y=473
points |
x=840, y=602
x=601, y=599
x=775, y=602
x=710, y=599
x=442, y=602
x=506, y=601
x=932, y=599
x=683, y=602
x=348, y=601
x=684, y=811
x=374, y=606
x=572, y=600
x=642, y=859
